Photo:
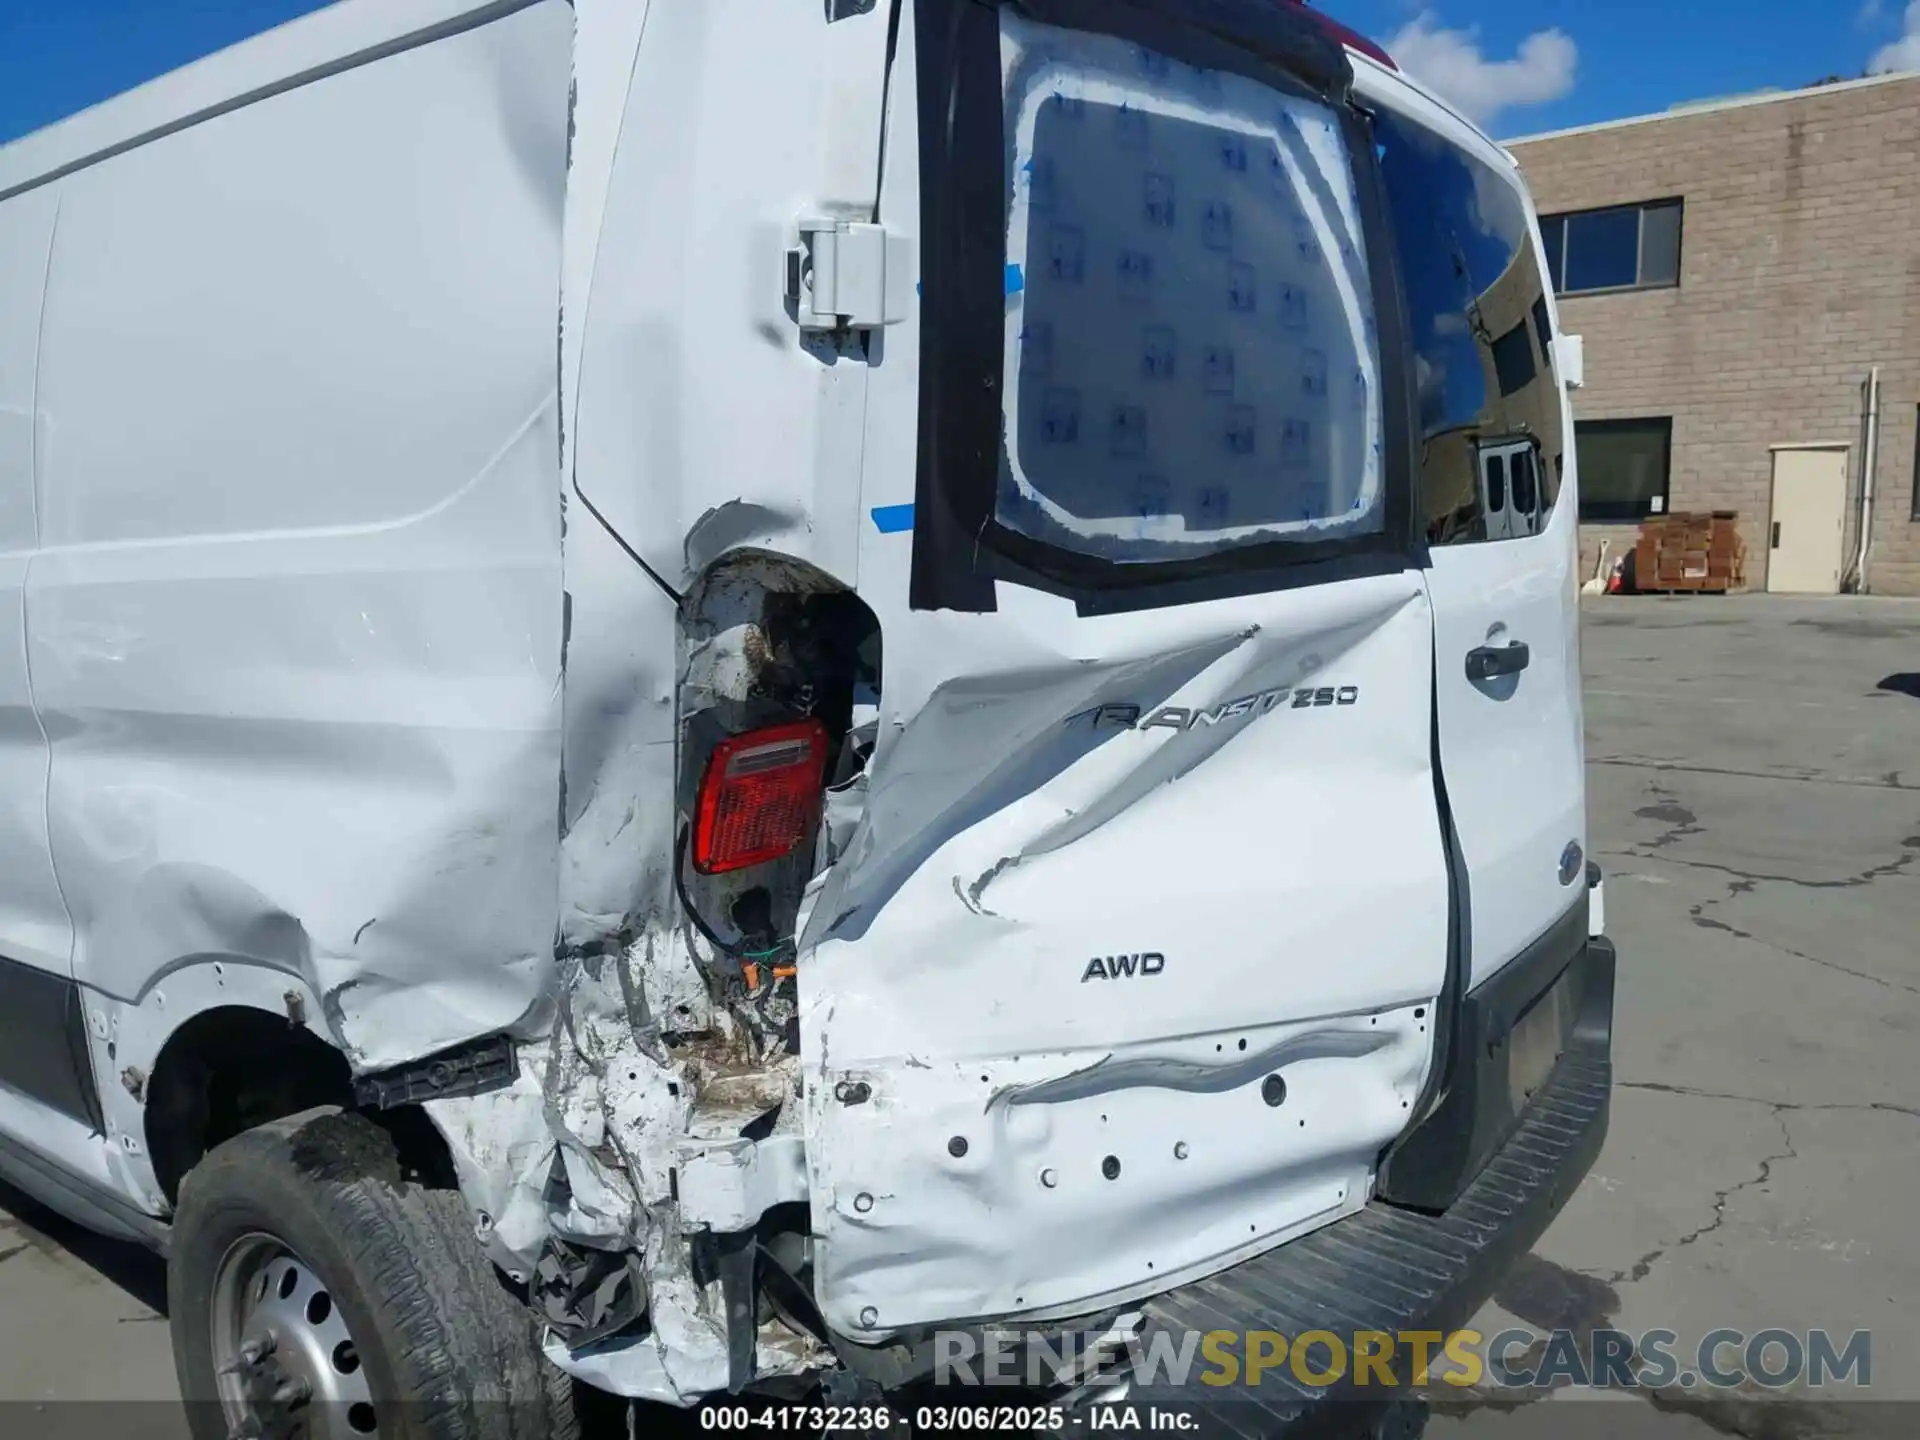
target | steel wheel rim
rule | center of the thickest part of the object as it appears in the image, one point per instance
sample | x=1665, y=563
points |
x=284, y=1361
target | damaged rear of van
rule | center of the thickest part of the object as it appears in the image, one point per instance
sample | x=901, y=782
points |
x=712, y=691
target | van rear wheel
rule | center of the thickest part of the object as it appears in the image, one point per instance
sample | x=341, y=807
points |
x=314, y=1289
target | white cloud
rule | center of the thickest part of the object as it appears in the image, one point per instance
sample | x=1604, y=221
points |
x=1451, y=62
x=1430, y=382
x=1904, y=53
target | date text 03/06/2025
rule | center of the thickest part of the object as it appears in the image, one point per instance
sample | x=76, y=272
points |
x=962, y=1419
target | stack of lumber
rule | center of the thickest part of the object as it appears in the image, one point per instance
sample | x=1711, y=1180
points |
x=1701, y=551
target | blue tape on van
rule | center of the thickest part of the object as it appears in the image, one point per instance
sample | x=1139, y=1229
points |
x=892, y=519
x=1016, y=282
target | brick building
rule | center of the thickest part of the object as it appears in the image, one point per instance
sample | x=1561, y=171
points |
x=1737, y=268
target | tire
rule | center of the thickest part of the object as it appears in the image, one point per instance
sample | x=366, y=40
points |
x=436, y=1346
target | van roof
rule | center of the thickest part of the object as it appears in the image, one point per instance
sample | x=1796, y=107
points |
x=321, y=43
x=351, y=32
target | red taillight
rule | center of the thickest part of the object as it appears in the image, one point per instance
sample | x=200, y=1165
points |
x=759, y=797
x=1352, y=39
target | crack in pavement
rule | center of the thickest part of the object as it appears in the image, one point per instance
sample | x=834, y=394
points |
x=1745, y=887
x=1889, y=780
x=1884, y=1106
x=1642, y=1267
x=1865, y=877
x=1681, y=822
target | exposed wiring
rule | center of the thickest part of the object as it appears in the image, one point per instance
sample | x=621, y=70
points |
x=729, y=949
x=748, y=959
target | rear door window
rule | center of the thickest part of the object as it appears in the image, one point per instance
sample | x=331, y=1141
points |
x=1191, y=352
x=1477, y=308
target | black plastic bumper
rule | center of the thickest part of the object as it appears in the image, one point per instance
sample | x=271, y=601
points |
x=1391, y=1269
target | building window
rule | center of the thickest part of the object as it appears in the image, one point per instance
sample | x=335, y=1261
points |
x=1628, y=247
x=1913, y=505
x=1513, y=360
x=1624, y=467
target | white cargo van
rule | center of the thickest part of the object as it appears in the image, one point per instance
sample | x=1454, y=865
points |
x=705, y=686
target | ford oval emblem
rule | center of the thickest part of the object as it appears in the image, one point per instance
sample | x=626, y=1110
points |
x=1571, y=860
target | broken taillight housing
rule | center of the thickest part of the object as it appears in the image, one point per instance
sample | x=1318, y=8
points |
x=759, y=797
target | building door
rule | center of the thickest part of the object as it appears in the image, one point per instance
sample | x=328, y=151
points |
x=1524, y=487
x=1807, y=538
x=1493, y=492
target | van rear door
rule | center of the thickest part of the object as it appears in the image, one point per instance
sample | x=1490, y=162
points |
x=1505, y=616
x=1127, y=968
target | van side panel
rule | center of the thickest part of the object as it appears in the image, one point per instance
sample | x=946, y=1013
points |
x=295, y=625
x=33, y=921
x=703, y=419
x=26, y=237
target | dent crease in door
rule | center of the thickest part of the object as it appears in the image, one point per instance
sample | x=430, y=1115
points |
x=1125, y=969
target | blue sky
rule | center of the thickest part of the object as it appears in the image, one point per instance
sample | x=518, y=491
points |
x=1520, y=65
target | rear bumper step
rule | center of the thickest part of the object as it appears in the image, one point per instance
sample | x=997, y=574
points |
x=1391, y=1270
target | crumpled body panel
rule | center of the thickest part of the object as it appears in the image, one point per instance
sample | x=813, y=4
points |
x=696, y=427
x=1099, y=896
x=294, y=626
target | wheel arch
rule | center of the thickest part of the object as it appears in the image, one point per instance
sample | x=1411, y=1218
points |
x=229, y=1067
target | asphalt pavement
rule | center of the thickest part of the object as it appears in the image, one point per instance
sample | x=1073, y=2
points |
x=1754, y=801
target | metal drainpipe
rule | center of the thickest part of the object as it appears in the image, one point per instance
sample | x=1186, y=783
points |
x=1869, y=461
